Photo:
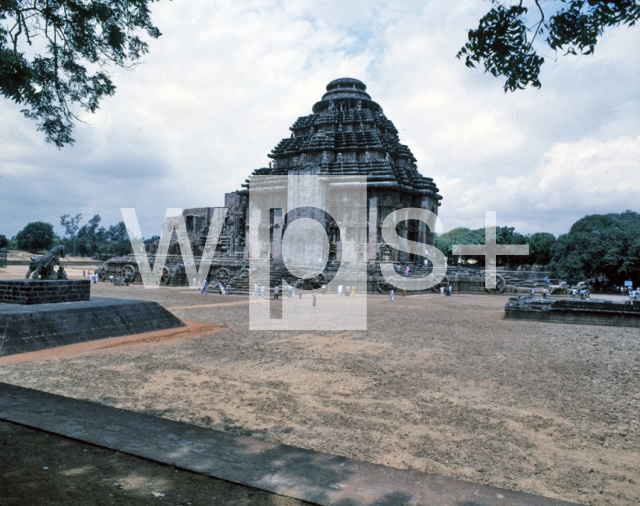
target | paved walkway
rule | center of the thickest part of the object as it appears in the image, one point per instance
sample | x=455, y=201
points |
x=316, y=477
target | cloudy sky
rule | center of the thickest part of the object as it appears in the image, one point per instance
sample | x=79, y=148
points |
x=223, y=84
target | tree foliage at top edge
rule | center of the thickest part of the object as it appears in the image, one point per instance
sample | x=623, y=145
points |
x=71, y=44
x=503, y=41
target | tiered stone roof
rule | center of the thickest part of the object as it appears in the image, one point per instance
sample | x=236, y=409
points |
x=348, y=134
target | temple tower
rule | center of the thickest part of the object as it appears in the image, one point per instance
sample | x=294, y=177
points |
x=348, y=134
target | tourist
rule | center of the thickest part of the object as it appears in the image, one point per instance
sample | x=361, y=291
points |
x=533, y=292
x=404, y=292
x=262, y=291
x=544, y=292
x=300, y=292
x=293, y=292
x=442, y=291
x=353, y=291
x=195, y=283
x=324, y=288
x=546, y=280
x=228, y=289
x=407, y=270
x=204, y=288
x=110, y=278
x=347, y=290
x=255, y=290
x=289, y=288
x=583, y=293
x=391, y=294
x=573, y=293
x=448, y=291
x=276, y=292
x=340, y=288
x=221, y=288
x=314, y=295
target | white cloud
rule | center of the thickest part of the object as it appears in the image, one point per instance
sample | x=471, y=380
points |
x=223, y=84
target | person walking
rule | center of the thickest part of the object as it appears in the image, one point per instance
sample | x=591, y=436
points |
x=204, y=288
x=442, y=291
x=315, y=296
x=276, y=292
x=262, y=291
x=449, y=291
x=533, y=292
x=228, y=290
x=289, y=288
x=340, y=288
x=324, y=289
x=353, y=290
x=407, y=270
x=545, y=292
x=255, y=290
x=391, y=295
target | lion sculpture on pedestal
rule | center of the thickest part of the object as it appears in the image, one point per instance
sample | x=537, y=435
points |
x=44, y=266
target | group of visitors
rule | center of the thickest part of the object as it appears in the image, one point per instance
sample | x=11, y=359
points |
x=92, y=277
x=344, y=291
x=204, y=288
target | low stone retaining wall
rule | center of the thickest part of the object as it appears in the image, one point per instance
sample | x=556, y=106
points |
x=623, y=313
x=30, y=328
x=38, y=291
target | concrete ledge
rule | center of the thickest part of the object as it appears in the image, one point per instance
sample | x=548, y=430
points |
x=42, y=326
x=319, y=478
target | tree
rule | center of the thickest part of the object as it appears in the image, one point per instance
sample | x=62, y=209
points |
x=80, y=40
x=3, y=241
x=71, y=226
x=504, y=235
x=503, y=42
x=36, y=236
x=599, y=244
x=540, y=247
x=90, y=236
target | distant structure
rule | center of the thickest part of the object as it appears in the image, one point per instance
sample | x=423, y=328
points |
x=347, y=134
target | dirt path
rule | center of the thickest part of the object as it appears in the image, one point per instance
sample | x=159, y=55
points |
x=441, y=385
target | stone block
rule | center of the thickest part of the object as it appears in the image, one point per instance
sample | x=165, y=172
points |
x=43, y=291
x=25, y=327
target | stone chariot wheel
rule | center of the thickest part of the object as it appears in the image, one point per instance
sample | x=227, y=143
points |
x=129, y=271
x=500, y=285
x=383, y=285
x=166, y=276
x=223, y=276
x=317, y=281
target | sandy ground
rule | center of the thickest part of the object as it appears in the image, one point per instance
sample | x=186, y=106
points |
x=39, y=468
x=441, y=385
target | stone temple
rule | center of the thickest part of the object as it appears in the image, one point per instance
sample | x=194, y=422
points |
x=347, y=134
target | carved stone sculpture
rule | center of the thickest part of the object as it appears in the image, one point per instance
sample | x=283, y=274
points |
x=44, y=266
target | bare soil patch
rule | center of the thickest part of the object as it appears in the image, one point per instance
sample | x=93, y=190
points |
x=441, y=385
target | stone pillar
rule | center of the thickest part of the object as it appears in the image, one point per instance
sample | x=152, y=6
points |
x=372, y=248
x=276, y=243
